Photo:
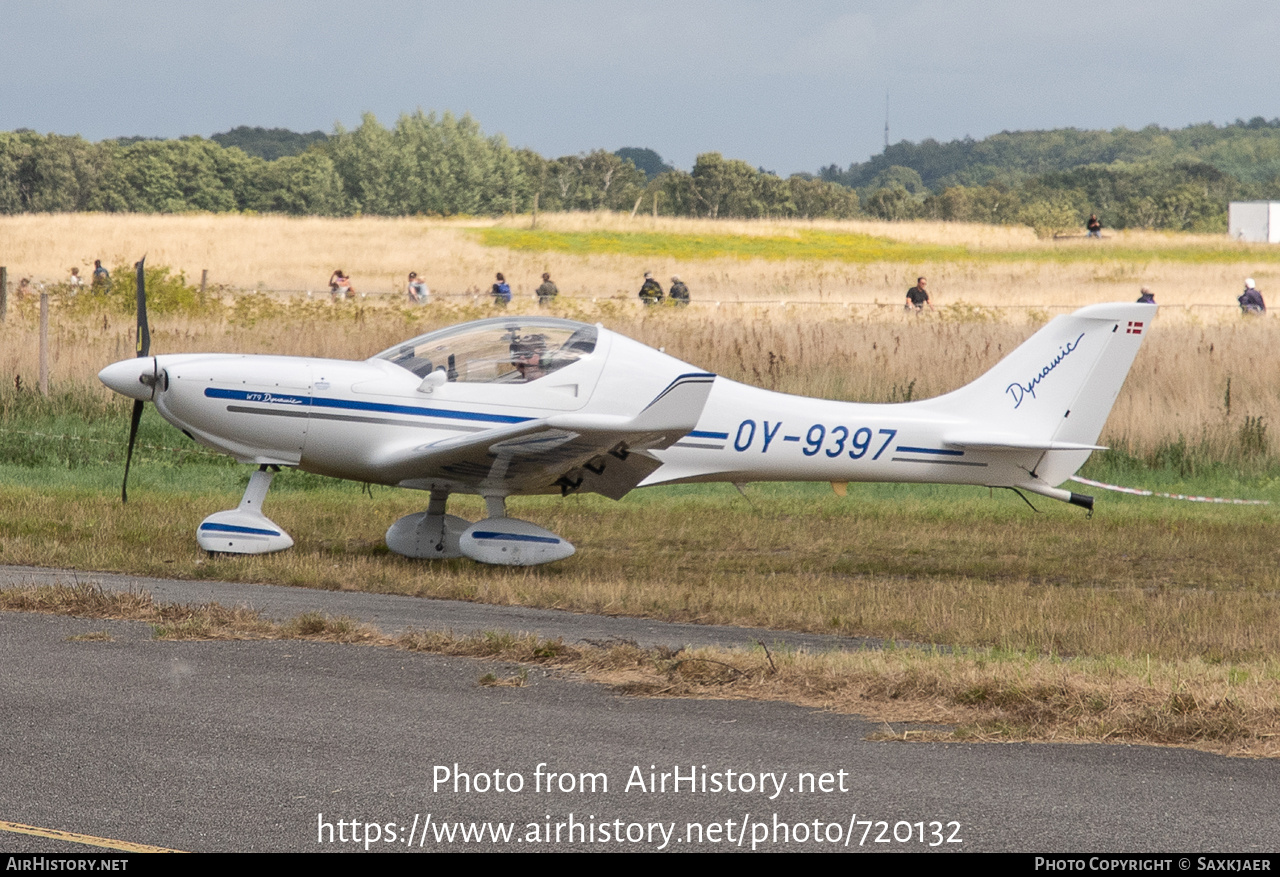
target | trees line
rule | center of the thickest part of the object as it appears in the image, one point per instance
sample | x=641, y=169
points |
x=423, y=165
x=1181, y=196
x=446, y=165
x=1154, y=177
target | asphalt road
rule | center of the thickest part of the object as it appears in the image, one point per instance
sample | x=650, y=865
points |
x=280, y=746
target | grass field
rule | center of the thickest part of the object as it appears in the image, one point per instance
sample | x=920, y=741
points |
x=1154, y=612
x=603, y=255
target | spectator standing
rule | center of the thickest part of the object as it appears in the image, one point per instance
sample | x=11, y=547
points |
x=1251, y=300
x=340, y=286
x=650, y=291
x=917, y=297
x=1094, y=226
x=1147, y=297
x=101, y=282
x=75, y=283
x=679, y=293
x=547, y=292
x=417, y=289
x=501, y=292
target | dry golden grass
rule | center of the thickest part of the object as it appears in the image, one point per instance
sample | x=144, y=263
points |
x=965, y=695
x=1178, y=387
x=985, y=696
x=96, y=636
x=246, y=252
x=298, y=254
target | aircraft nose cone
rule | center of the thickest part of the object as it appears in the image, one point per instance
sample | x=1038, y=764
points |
x=131, y=377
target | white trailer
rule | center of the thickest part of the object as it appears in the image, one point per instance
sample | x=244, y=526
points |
x=1254, y=221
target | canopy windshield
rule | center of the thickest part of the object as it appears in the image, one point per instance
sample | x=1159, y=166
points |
x=513, y=350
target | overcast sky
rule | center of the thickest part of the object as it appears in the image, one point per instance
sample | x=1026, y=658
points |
x=789, y=87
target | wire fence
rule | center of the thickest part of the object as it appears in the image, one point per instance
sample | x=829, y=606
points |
x=476, y=298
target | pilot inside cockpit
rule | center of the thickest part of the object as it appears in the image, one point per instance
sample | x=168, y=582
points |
x=527, y=355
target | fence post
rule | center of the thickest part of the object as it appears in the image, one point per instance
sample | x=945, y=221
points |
x=4, y=293
x=204, y=281
x=44, y=344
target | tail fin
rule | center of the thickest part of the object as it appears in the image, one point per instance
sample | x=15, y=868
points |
x=1055, y=391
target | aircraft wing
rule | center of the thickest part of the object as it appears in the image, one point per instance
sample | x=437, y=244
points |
x=604, y=454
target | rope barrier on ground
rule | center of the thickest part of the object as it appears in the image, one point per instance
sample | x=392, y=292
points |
x=1139, y=492
x=477, y=297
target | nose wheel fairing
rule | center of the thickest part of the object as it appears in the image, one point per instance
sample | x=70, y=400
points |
x=244, y=529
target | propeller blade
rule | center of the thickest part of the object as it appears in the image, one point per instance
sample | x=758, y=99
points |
x=144, y=349
x=128, y=457
x=144, y=331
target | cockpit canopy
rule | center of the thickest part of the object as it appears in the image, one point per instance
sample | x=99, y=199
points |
x=513, y=350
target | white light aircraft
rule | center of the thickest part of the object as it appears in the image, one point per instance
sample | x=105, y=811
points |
x=518, y=405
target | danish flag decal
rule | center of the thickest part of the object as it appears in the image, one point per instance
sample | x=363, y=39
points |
x=1134, y=328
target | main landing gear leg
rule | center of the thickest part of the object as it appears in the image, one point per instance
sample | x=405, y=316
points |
x=244, y=529
x=495, y=507
x=428, y=534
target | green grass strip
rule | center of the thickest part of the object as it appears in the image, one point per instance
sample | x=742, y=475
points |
x=805, y=245
x=851, y=247
x=1075, y=251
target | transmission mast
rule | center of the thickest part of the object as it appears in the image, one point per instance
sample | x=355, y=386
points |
x=886, y=120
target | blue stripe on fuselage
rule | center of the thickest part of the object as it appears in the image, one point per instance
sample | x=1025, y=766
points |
x=940, y=451
x=353, y=405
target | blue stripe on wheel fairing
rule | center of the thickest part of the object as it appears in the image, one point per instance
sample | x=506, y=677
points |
x=230, y=528
x=512, y=537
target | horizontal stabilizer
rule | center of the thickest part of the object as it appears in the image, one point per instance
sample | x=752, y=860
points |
x=1008, y=442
